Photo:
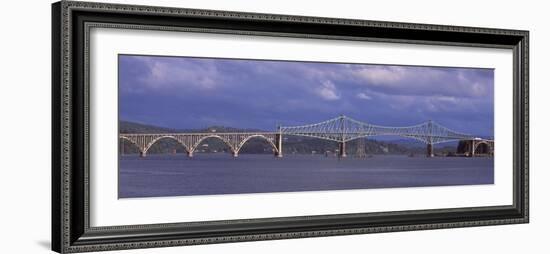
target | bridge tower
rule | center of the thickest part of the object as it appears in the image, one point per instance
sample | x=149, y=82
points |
x=342, y=149
x=430, y=150
x=430, y=145
x=279, y=143
x=342, y=145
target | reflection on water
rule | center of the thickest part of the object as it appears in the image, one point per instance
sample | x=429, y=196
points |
x=207, y=174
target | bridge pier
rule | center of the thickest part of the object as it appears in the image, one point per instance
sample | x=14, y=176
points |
x=279, y=145
x=190, y=154
x=142, y=154
x=342, y=150
x=430, y=151
x=235, y=154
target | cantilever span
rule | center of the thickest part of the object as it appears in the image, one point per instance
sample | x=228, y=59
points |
x=344, y=129
x=341, y=129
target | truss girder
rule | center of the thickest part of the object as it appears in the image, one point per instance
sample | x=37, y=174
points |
x=344, y=129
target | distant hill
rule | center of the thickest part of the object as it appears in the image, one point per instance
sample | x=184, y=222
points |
x=292, y=144
x=131, y=127
x=411, y=143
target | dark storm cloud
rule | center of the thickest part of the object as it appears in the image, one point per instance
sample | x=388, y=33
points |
x=181, y=92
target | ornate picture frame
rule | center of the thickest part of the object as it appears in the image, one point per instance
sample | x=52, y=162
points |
x=71, y=24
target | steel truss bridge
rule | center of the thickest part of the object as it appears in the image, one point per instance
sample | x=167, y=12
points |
x=341, y=129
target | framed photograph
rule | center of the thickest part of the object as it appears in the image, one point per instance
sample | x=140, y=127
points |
x=182, y=126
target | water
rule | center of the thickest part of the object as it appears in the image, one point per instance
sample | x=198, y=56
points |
x=208, y=174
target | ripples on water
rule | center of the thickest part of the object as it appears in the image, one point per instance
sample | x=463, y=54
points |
x=208, y=174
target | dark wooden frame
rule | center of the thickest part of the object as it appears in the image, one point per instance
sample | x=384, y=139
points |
x=71, y=22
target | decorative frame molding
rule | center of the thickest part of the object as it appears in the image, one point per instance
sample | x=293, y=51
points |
x=71, y=22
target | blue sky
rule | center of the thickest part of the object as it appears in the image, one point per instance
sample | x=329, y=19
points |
x=189, y=93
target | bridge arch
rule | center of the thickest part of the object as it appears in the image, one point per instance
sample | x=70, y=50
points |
x=482, y=147
x=269, y=141
x=150, y=144
x=203, y=138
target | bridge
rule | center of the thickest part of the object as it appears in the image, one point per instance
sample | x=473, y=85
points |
x=341, y=129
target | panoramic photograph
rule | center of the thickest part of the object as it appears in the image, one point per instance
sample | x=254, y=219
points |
x=216, y=126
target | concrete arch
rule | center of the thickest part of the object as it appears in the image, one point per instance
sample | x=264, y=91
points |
x=269, y=141
x=163, y=137
x=477, y=144
x=200, y=140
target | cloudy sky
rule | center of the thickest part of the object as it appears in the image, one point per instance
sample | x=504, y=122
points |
x=185, y=93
